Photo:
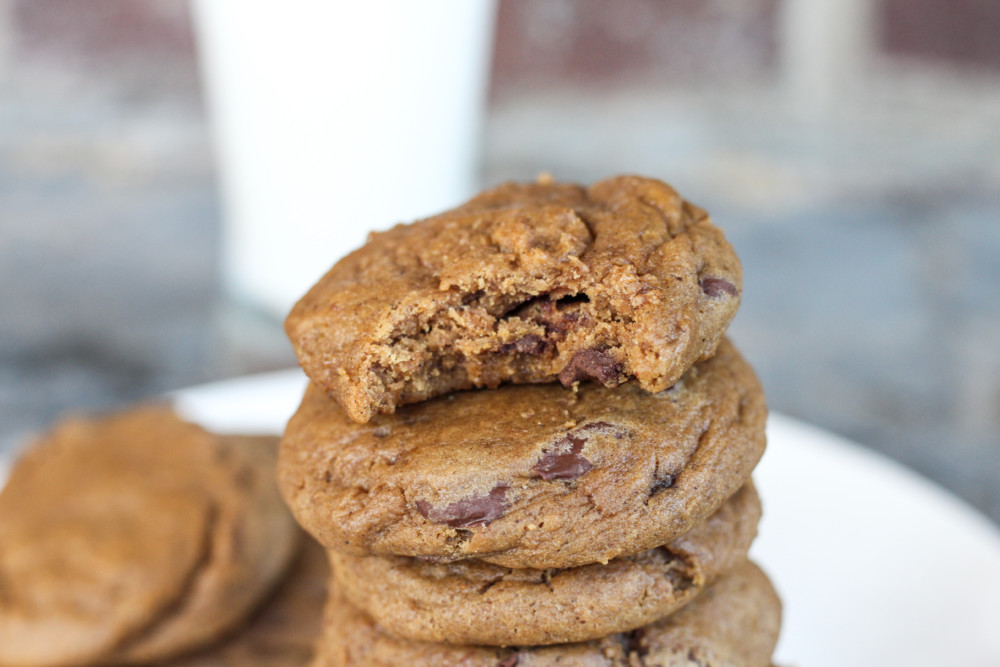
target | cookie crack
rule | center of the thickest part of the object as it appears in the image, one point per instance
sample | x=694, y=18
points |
x=741, y=409
x=659, y=483
x=490, y=584
x=583, y=214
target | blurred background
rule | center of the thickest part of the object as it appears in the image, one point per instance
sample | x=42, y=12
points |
x=849, y=148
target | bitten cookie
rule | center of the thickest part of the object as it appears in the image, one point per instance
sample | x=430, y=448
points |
x=527, y=476
x=134, y=538
x=471, y=602
x=734, y=623
x=283, y=633
x=524, y=283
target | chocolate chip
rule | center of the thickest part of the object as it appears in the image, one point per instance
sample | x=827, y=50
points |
x=591, y=364
x=530, y=344
x=510, y=661
x=661, y=483
x=557, y=316
x=564, y=460
x=474, y=511
x=716, y=287
x=381, y=431
x=562, y=322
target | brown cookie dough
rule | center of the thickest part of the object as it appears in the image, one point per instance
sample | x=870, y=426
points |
x=524, y=283
x=472, y=602
x=284, y=632
x=734, y=623
x=136, y=537
x=527, y=476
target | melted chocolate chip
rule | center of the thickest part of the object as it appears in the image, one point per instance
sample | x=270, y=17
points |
x=530, y=344
x=661, y=483
x=474, y=511
x=562, y=322
x=591, y=365
x=716, y=287
x=510, y=661
x=564, y=461
x=557, y=316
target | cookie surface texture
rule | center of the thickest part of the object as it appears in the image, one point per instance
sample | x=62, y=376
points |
x=527, y=476
x=471, y=602
x=734, y=623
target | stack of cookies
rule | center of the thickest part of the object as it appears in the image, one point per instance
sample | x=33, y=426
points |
x=527, y=441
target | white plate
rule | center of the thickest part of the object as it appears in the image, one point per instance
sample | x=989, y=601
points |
x=876, y=566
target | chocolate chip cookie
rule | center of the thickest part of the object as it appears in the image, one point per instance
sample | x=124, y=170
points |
x=136, y=537
x=527, y=476
x=524, y=283
x=734, y=623
x=472, y=602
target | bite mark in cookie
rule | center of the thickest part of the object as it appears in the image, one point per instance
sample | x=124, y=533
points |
x=526, y=283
